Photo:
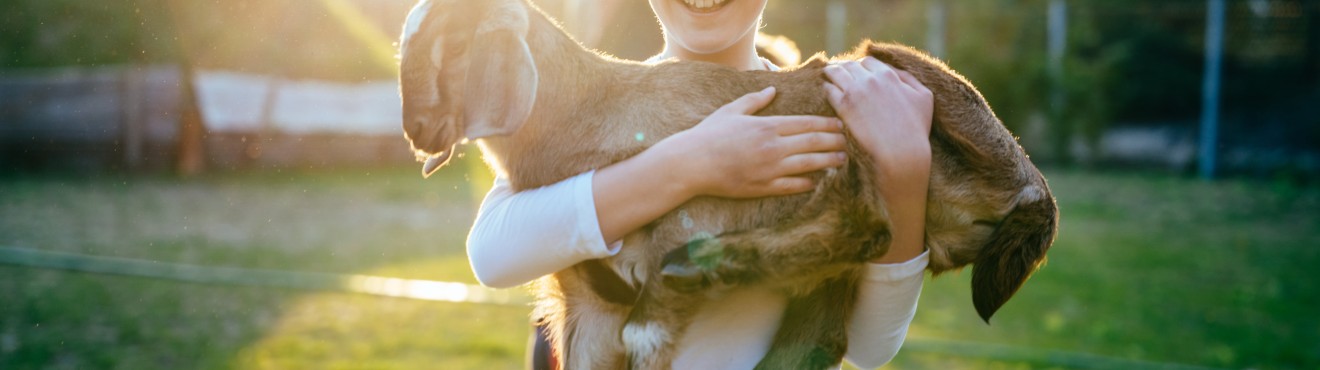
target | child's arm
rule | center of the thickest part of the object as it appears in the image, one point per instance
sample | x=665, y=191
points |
x=520, y=236
x=889, y=112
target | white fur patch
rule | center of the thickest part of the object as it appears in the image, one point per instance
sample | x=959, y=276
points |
x=1031, y=193
x=643, y=340
x=414, y=22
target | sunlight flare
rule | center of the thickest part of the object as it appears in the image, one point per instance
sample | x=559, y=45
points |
x=432, y=290
x=378, y=44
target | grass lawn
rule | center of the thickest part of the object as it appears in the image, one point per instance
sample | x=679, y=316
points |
x=1146, y=267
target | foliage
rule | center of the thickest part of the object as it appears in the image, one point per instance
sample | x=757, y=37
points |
x=300, y=39
x=1125, y=60
x=43, y=33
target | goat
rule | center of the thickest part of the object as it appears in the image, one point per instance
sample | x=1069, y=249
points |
x=543, y=108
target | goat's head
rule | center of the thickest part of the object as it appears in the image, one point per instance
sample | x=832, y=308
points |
x=465, y=72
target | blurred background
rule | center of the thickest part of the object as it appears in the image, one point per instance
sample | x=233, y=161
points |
x=223, y=184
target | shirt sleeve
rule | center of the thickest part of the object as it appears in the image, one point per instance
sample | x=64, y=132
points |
x=520, y=236
x=886, y=303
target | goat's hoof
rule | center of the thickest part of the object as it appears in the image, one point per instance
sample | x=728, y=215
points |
x=682, y=274
x=684, y=277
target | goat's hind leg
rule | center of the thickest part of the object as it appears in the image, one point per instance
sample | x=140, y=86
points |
x=784, y=254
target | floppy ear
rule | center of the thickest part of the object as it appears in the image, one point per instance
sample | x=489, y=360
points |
x=447, y=132
x=1014, y=252
x=501, y=84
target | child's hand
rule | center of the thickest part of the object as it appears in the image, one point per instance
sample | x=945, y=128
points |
x=887, y=110
x=734, y=154
x=889, y=113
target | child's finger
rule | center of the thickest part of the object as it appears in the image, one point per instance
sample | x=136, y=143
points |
x=838, y=75
x=750, y=103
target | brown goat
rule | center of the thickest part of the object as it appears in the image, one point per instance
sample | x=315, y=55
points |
x=545, y=109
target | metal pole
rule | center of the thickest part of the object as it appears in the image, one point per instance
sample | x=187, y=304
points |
x=1214, y=55
x=133, y=89
x=836, y=18
x=936, y=19
x=1056, y=43
x=1057, y=22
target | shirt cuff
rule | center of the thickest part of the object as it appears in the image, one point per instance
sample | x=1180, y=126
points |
x=893, y=272
x=588, y=223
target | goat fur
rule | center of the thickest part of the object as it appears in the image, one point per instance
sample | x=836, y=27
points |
x=543, y=109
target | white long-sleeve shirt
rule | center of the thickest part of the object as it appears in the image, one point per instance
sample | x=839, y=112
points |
x=520, y=236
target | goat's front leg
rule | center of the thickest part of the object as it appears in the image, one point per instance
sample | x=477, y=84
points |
x=786, y=255
x=658, y=319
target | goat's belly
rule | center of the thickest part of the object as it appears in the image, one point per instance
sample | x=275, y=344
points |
x=701, y=218
x=708, y=216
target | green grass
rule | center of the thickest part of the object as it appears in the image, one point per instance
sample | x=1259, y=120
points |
x=1162, y=269
x=1146, y=267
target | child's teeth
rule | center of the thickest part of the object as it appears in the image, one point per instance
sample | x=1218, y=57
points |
x=703, y=4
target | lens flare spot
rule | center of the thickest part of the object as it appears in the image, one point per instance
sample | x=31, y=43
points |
x=687, y=220
x=640, y=136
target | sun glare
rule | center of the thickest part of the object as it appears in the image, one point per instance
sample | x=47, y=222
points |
x=432, y=290
x=359, y=26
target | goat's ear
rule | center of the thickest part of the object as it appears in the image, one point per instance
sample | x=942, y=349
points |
x=501, y=84
x=1015, y=250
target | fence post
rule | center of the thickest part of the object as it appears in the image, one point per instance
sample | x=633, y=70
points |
x=132, y=92
x=1214, y=55
x=191, y=158
x=1056, y=44
x=836, y=19
x=937, y=14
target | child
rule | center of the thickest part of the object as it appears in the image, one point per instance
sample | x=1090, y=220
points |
x=518, y=237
